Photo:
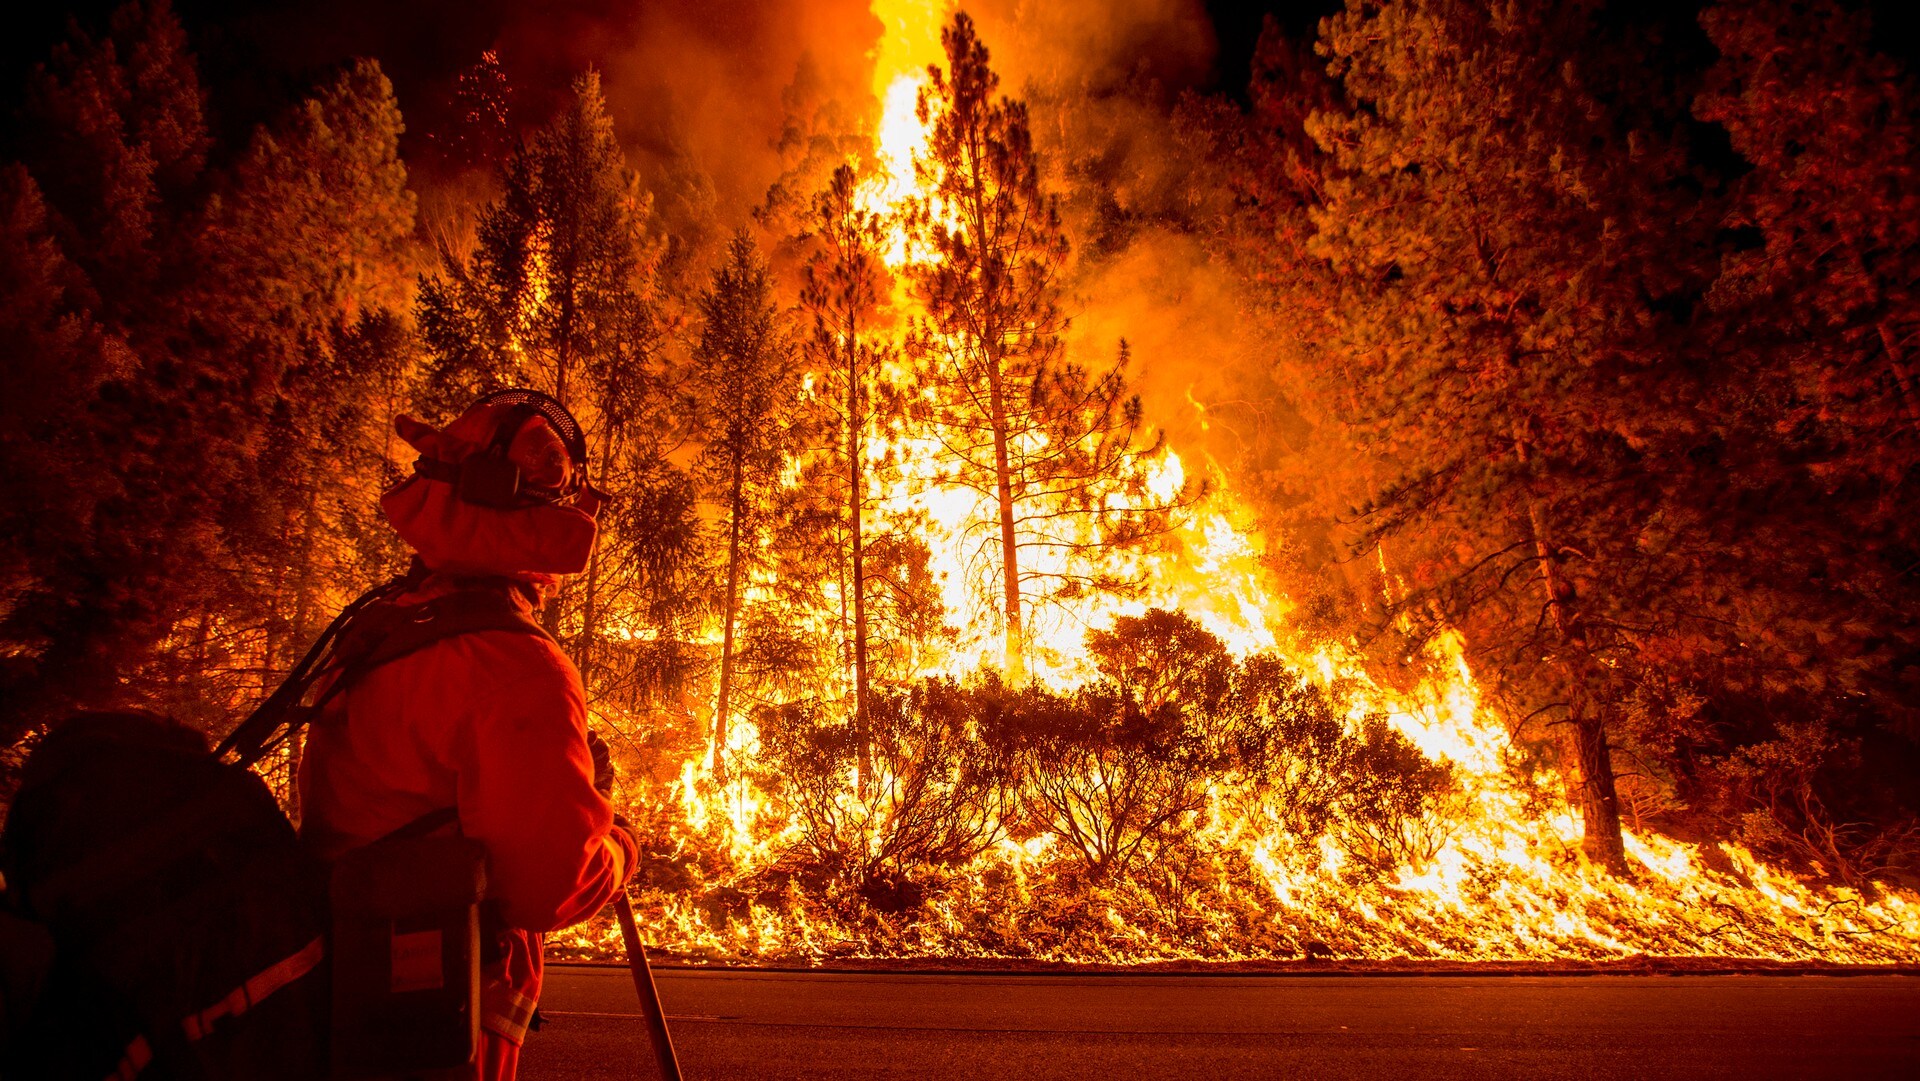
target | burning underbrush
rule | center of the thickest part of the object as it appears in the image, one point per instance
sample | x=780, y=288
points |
x=1184, y=804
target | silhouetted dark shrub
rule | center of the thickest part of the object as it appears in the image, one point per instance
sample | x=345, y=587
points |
x=1397, y=807
x=938, y=795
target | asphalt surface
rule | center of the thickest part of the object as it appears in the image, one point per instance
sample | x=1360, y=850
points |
x=934, y=1027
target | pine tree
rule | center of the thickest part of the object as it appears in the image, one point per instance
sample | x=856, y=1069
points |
x=845, y=283
x=991, y=291
x=561, y=273
x=114, y=138
x=1795, y=507
x=116, y=134
x=1507, y=229
x=1817, y=314
x=57, y=360
x=482, y=115
x=309, y=261
x=1051, y=445
x=818, y=135
x=220, y=300
x=742, y=370
x=560, y=293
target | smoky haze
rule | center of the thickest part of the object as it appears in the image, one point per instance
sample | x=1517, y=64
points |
x=699, y=90
x=702, y=85
x=694, y=85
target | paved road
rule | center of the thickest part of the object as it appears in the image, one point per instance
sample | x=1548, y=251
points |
x=931, y=1028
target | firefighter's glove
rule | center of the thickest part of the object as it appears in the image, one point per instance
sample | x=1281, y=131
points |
x=602, y=763
x=620, y=823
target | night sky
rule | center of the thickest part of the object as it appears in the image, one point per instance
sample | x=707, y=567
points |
x=685, y=77
x=257, y=54
x=259, y=51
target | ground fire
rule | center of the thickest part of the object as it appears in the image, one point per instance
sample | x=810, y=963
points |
x=967, y=591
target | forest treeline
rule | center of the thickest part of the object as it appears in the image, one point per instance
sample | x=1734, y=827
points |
x=1583, y=332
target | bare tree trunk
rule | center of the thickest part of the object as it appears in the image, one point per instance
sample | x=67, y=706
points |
x=1599, y=800
x=723, y=707
x=1016, y=644
x=567, y=286
x=550, y=615
x=855, y=496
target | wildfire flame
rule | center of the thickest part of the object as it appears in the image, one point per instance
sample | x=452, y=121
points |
x=1509, y=882
x=910, y=42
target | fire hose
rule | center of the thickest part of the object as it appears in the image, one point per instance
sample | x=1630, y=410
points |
x=650, y=1008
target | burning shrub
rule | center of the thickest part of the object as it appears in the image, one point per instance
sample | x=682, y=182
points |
x=938, y=795
x=1297, y=766
x=1129, y=763
x=1106, y=775
x=1124, y=763
x=1295, y=754
x=1399, y=807
x=1787, y=803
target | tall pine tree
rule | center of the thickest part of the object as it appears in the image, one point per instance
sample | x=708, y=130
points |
x=846, y=282
x=1051, y=445
x=559, y=292
x=744, y=376
x=216, y=294
x=1509, y=240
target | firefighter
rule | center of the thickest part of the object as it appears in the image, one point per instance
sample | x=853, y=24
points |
x=491, y=724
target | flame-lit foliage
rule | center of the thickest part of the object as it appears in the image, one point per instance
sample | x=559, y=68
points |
x=1120, y=771
x=743, y=371
x=197, y=354
x=1052, y=445
x=558, y=290
x=940, y=795
x=1502, y=246
x=844, y=284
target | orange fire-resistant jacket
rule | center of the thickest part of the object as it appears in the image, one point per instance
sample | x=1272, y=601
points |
x=491, y=723
x=494, y=725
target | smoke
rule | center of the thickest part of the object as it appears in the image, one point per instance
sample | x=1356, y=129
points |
x=696, y=88
x=1103, y=84
x=702, y=90
x=705, y=84
x=1096, y=46
x=1196, y=357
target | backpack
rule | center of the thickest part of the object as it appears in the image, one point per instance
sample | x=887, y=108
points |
x=191, y=927
x=187, y=919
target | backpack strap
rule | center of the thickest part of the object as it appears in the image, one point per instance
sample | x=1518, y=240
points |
x=259, y=986
x=422, y=826
x=374, y=631
x=281, y=712
x=391, y=631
